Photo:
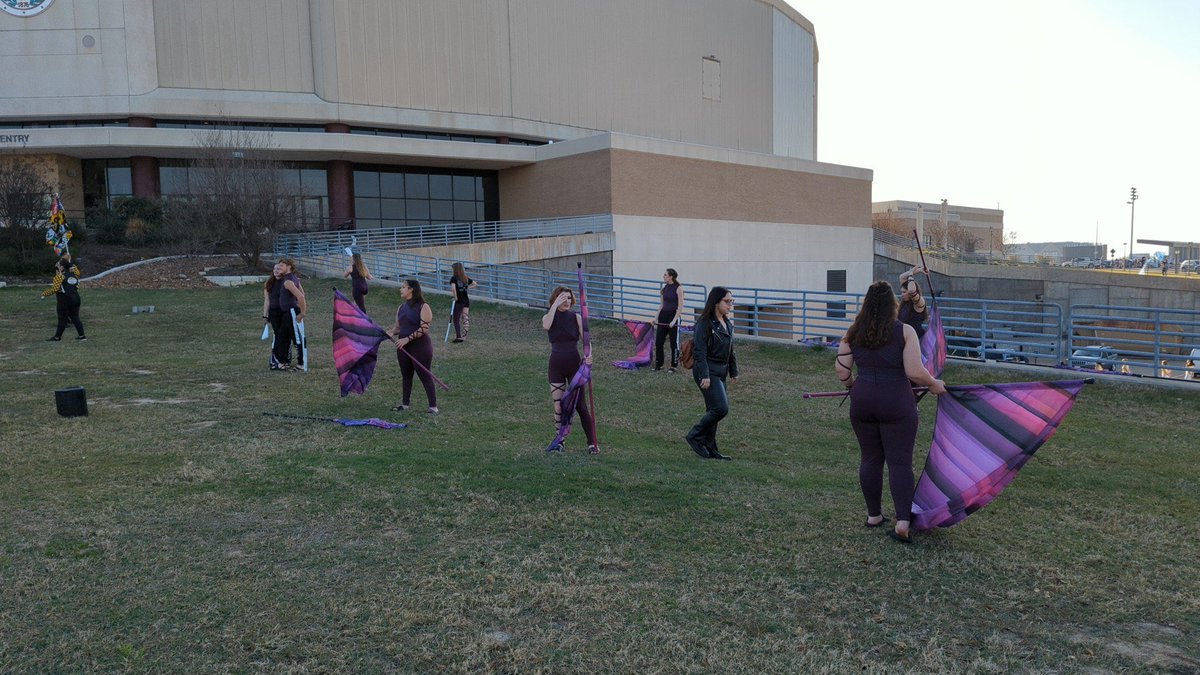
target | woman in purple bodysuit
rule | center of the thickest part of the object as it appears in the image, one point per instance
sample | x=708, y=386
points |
x=886, y=354
x=564, y=327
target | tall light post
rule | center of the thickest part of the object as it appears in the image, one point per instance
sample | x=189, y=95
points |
x=1132, y=198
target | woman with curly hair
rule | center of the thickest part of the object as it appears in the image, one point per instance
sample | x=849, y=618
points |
x=878, y=360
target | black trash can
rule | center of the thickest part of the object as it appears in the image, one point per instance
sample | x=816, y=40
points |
x=71, y=402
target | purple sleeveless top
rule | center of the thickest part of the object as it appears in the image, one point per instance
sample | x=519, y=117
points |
x=287, y=301
x=564, y=332
x=885, y=364
x=670, y=298
x=409, y=318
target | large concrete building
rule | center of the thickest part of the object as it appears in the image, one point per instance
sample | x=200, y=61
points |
x=692, y=122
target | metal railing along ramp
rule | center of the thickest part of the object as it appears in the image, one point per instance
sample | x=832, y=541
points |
x=1136, y=339
x=304, y=244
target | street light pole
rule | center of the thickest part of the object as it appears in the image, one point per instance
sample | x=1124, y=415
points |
x=1132, y=198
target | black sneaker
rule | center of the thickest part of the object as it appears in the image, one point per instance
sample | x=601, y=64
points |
x=54, y=339
x=456, y=340
x=81, y=337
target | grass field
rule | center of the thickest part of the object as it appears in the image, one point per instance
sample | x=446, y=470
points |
x=177, y=529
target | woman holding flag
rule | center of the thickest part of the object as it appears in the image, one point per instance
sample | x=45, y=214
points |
x=883, y=410
x=411, y=333
x=563, y=327
x=65, y=289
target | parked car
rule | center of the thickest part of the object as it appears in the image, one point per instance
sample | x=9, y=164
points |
x=1005, y=355
x=1088, y=357
x=1082, y=263
x=1189, y=267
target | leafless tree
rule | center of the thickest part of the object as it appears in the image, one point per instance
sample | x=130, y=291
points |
x=241, y=195
x=891, y=222
x=24, y=207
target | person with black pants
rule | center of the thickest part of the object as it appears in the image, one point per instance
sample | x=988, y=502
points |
x=667, y=324
x=714, y=360
x=65, y=289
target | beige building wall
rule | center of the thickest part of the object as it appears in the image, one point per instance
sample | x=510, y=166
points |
x=742, y=253
x=247, y=46
x=736, y=74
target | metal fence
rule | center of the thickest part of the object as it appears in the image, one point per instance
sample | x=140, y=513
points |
x=1135, y=340
x=304, y=244
x=608, y=296
x=1002, y=330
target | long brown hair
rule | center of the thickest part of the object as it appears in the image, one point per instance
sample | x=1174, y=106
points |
x=356, y=260
x=459, y=272
x=418, y=298
x=872, y=328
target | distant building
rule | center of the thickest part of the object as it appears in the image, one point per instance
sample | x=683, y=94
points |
x=964, y=228
x=1061, y=250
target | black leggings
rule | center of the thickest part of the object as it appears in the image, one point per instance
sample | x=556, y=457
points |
x=884, y=417
x=563, y=366
x=420, y=349
x=68, y=312
x=285, y=335
x=716, y=407
x=462, y=321
x=661, y=333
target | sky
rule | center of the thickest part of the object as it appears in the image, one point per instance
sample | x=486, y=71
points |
x=1050, y=110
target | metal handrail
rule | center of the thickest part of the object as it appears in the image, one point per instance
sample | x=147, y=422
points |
x=419, y=236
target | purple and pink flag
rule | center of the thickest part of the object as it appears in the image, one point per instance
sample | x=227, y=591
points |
x=643, y=340
x=356, y=342
x=984, y=434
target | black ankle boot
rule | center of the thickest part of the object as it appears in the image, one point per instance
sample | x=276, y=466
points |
x=697, y=445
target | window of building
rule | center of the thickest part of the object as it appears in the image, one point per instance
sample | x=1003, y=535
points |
x=105, y=181
x=396, y=197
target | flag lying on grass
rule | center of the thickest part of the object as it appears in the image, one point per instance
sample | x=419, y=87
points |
x=355, y=344
x=984, y=434
x=372, y=422
x=643, y=340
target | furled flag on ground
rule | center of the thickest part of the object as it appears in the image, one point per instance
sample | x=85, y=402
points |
x=370, y=422
x=355, y=344
x=984, y=434
x=643, y=340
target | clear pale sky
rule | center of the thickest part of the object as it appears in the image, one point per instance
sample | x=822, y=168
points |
x=1051, y=109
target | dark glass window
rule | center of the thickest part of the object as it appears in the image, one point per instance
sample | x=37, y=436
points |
x=408, y=196
x=416, y=186
x=441, y=187
x=366, y=184
x=391, y=185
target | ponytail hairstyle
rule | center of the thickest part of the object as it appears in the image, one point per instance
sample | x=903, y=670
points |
x=673, y=274
x=872, y=328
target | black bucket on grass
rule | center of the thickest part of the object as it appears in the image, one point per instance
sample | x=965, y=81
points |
x=71, y=402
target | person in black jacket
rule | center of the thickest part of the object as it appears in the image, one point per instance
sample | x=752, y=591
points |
x=714, y=360
x=65, y=290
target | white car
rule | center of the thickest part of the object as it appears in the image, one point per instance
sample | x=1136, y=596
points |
x=1089, y=357
x=1189, y=267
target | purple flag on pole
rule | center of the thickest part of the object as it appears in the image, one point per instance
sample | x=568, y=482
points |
x=984, y=434
x=355, y=344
